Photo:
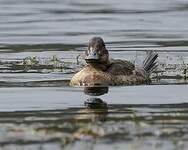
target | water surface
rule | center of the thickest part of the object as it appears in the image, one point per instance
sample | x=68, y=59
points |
x=41, y=47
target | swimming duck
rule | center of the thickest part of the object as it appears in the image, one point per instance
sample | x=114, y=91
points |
x=101, y=71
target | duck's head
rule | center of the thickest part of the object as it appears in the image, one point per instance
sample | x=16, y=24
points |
x=96, y=53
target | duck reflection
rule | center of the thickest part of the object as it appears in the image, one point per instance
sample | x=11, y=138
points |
x=93, y=101
x=95, y=91
x=92, y=117
x=96, y=110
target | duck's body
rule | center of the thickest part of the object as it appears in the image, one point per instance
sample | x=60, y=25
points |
x=90, y=76
x=100, y=71
x=119, y=73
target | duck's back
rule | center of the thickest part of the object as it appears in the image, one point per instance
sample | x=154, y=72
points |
x=120, y=67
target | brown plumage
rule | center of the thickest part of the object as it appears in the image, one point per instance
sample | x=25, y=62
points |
x=100, y=71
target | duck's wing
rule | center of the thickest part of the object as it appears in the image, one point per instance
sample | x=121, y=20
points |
x=120, y=67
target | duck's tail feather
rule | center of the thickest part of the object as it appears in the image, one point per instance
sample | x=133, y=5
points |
x=150, y=63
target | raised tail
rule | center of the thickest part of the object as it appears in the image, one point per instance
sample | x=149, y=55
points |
x=150, y=63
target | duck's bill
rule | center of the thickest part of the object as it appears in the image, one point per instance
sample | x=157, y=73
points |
x=92, y=60
x=92, y=57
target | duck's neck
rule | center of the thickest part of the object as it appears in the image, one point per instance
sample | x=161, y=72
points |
x=102, y=67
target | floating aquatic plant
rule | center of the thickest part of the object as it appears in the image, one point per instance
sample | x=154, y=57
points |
x=169, y=66
x=55, y=61
x=30, y=61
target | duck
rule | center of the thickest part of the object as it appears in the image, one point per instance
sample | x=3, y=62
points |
x=100, y=70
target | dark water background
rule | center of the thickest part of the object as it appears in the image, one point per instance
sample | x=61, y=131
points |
x=39, y=43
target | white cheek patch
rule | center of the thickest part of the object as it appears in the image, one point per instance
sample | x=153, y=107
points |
x=91, y=49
